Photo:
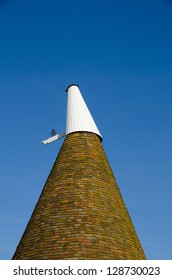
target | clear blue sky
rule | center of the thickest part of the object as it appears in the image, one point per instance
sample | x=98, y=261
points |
x=120, y=54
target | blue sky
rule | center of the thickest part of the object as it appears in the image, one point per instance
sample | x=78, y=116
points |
x=120, y=54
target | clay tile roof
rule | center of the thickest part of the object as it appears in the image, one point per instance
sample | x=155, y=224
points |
x=80, y=213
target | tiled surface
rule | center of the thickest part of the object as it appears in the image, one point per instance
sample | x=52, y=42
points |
x=80, y=213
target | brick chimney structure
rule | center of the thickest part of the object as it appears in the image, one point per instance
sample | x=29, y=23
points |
x=80, y=214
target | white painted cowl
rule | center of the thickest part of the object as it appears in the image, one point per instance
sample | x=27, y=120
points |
x=78, y=114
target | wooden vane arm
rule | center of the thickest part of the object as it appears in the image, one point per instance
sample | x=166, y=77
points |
x=54, y=138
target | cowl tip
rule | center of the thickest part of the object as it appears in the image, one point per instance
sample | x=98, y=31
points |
x=71, y=86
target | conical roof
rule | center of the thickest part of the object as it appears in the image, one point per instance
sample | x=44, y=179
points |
x=80, y=213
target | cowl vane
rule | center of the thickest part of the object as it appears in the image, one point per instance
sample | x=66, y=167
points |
x=78, y=116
